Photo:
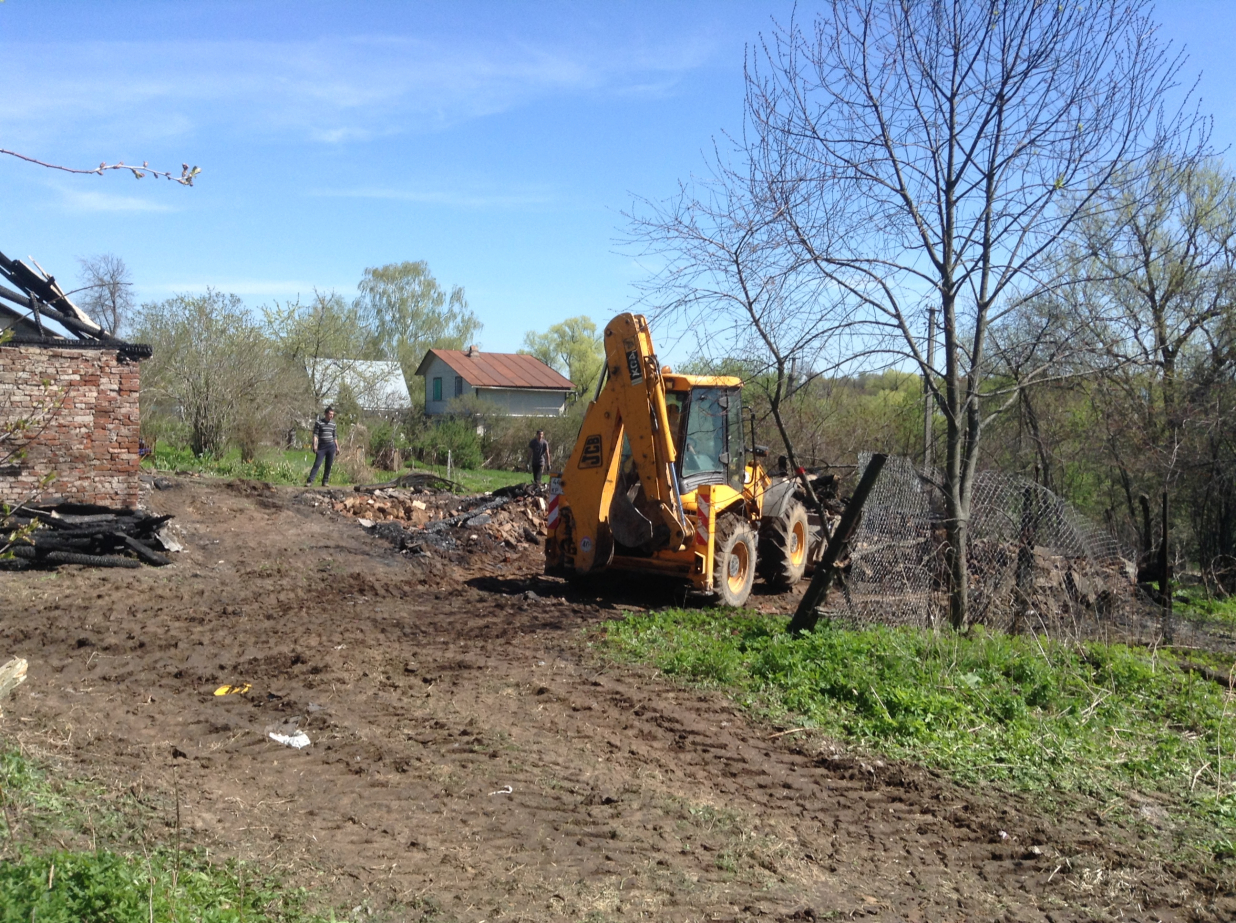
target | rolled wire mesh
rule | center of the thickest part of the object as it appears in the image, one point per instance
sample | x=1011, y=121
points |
x=1035, y=565
x=892, y=576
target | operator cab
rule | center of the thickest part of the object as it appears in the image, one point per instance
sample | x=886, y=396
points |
x=705, y=416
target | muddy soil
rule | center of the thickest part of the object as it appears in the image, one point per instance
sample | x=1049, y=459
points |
x=472, y=759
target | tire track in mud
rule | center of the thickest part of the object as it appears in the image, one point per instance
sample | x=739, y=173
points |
x=429, y=689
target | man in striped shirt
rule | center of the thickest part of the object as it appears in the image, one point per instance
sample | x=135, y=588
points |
x=325, y=445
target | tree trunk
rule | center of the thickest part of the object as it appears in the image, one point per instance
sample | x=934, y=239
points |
x=957, y=508
x=958, y=532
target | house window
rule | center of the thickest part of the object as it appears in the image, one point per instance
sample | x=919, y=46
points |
x=459, y=386
x=437, y=389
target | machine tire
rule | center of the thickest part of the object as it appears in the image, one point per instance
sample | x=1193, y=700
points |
x=735, y=561
x=784, y=541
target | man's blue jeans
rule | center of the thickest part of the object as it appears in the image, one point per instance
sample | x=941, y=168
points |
x=326, y=452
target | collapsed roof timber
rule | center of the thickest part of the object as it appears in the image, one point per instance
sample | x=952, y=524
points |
x=41, y=299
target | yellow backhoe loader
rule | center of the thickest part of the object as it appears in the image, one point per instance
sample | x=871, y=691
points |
x=662, y=480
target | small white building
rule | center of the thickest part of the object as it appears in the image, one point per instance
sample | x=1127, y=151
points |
x=379, y=387
x=520, y=385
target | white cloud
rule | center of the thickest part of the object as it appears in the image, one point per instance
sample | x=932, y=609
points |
x=452, y=198
x=88, y=200
x=329, y=90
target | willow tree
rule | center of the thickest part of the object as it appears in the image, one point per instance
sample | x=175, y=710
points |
x=929, y=156
x=410, y=312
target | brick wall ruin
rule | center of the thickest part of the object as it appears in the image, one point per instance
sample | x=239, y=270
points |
x=81, y=408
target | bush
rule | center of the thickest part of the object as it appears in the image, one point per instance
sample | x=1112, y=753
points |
x=354, y=467
x=386, y=446
x=504, y=441
x=454, y=435
x=215, y=369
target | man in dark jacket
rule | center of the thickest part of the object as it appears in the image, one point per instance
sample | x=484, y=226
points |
x=538, y=455
x=325, y=445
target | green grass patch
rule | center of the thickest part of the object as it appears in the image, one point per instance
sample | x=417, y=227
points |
x=273, y=466
x=1195, y=602
x=480, y=480
x=1028, y=713
x=292, y=467
x=68, y=855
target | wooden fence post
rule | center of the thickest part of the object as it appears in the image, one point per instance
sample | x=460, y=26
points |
x=807, y=614
x=1027, y=538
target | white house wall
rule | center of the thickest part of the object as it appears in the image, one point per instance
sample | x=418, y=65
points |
x=525, y=402
x=377, y=386
x=439, y=369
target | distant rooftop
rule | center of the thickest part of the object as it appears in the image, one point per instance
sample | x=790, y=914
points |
x=499, y=370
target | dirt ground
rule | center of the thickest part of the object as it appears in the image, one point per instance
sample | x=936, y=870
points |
x=473, y=760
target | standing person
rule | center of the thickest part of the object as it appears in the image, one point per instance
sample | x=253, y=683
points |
x=324, y=446
x=538, y=454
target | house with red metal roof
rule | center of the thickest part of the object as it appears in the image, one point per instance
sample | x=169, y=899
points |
x=522, y=386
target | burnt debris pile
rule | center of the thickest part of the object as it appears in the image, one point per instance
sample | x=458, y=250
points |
x=48, y=536
x=428, y=521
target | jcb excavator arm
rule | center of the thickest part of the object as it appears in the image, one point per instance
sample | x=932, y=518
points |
x=599, y=502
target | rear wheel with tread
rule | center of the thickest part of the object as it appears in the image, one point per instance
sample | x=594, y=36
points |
x=783, y=546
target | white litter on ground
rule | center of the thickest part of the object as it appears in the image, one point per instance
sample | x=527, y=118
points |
x=297, y=741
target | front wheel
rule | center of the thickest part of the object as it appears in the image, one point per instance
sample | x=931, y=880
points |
x=734, y=565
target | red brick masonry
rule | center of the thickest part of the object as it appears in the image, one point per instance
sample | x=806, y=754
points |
x=85, y=402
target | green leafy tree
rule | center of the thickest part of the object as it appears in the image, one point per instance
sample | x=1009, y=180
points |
x=1149, y=407
x=212, y=367
x=1165, y=248
x=409, y=313
x=325, y=338
x=572, y=347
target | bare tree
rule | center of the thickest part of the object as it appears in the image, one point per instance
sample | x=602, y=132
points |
x=932, y=154
x=106, y=290
x=730, y=278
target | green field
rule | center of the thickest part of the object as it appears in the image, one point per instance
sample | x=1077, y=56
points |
x=1024, y=713
x=292, y=466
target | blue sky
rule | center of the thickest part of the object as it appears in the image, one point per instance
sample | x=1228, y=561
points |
x=500, y=142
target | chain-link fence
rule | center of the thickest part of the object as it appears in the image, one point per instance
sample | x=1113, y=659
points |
x=1035, y=565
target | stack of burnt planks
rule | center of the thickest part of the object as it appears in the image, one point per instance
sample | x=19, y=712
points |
x=90, y=535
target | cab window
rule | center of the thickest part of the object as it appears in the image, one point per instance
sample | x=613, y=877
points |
x=703, y=444
x=676, y=412
x=737, y=461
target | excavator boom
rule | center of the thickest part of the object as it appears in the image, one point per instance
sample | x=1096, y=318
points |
x=601, y=504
